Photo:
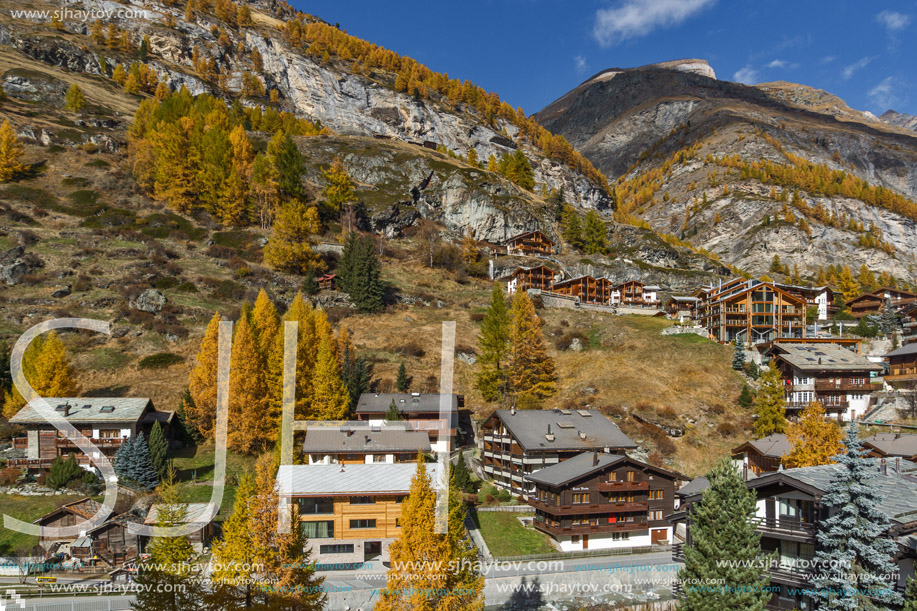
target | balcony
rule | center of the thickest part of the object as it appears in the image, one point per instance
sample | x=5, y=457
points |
x=588, y=529
x=621, y=486
x=901, y=374
x=21, y=443
x=824, y=385
x=111, y=442
x=589, y=508
x=784, y=527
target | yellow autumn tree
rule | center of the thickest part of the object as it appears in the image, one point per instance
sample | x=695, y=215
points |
x=532, y=374
x=288, y=248
x=265, y=324
x=303, y=313
x=234, y=555
x=176, y=161
x=74, y=100
x=47, y=368
x=338, y=188
x=329, y=400
x=815, y=440
x=251, y=429
x=11, y=151
x=202, y=382
x=234, y=205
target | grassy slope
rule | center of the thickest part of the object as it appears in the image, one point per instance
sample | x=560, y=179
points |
x=506, y=536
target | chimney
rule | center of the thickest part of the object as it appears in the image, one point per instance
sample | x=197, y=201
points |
x=898, y=465
x=342, y=467
x=66, y=409
x=595, y=459
x=349, y=432
x=582, y=435
x=550, y=435
x=512, y=411
x=745, y=471
x=883, y=468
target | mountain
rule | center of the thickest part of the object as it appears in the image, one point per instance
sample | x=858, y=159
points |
x=899, y=119
x=717, y=164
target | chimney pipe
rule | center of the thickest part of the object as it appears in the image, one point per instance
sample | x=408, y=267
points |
x=898, y=465
x=883, y=468
x=745, y=471
x=66, y=409
x=512, y=411
x=595, y=458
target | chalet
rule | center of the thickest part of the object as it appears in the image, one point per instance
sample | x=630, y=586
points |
x=111, y=542
x=326, y=281
x=524, y=278
x=355, y=445
x=635, y=293
x=854, y=344
x=908, y=317
x=892, y=445
x=821, y=297
x=350, y=513
x=530, y=243
x=752, y=311
x=599, y=501
x=515, y=443
x=682, y=308
x=874, y=302
x=194, y=512
x=422, y=411
x=106, y=421
x=902, y=364
x=585, y=288
x=762, y=455
x=827, y=373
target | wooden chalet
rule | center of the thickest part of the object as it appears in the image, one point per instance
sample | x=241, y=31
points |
x=326, y=281
x=892, y=445
x=821, y=297
x=370, y=445
x=902, y=364
x=762, y=455
x=530, y=243
x=854, y=344
x=635, y=293
x=586, y=288
x=752, y=311
x=908, y=316
x=682, y=308
x=600, y=501
x=420, y=411
x=540, y=277
x=874, y=302
x=111, y=542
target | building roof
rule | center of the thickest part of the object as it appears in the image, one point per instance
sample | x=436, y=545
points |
x=684, y=298
x=652, y=287
x=527, y=234
x=695, y=486
x=368, y=479
x=365, y=440
x=575, y=280
x=574, y=468
x=775, y=445
x=84, y=508
x=823, y=357
x=378, y=403
x=530, y=428
x=195, y=512
x=87, y=409
x=902, y=351
x=893, y=444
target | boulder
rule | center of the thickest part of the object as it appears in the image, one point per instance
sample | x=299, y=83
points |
x=576, y=345
x=150, y=300
x=467, y=358
x=16, y=263
x=61, y=292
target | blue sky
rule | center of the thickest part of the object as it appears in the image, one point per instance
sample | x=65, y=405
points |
x=532, y=51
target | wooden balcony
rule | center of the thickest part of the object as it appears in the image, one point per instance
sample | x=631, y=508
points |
x=589, y=508
x=588, y=529
x=824, y=385
x=63, y=442
x=901, y=374
x=784, y=527
x=621, y=486
x=21, y=443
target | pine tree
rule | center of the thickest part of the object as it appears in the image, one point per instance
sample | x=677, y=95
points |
x=358, y=273
x=11, y=152
x=595, y=239
x=288, y=249
x=888, y=318
x=746, y=398
x=494, y=347
x=572, y=227
x=402, y=382
x=393, y=415
x=74, y=100
x=288, y=162
x=159, y=448
x=770, y=405
x=738, y=356
x=910, y=595
x=724, y=548
x=63, y=471
x=356, y=373
x=776, y=265
x=251, y=428
x=329, y=400
x=144, y=49
x=202, y=382
x=461, y=475
x=854, y=552
x=815, y=441
x=132, y=463
x=532, y=374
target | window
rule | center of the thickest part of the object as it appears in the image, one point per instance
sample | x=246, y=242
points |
x=340, y=548
x=362, y=500
x=580, y=497
x=655, y=495
x=318, y=530
x=378, y=457
x=655, y=515
x=397, y=522
x=315, y=505
x=363, y=523
x=620, y=536
x=109, y=433
x=630, y=476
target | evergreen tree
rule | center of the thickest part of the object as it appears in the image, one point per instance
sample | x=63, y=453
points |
x=595, y=239
x=572, y=227
x=202, y=382
x=402, y=382
x=776, y=265
x=74, y=100
x=288, y=248
x=11, y=151
x=461, y=475
x=251, y=429
x=310, y=284
x=63, y=471
x=171, y=552
x=724, y=548
x=770, y=406
x=854, y=553
x=356, y=373
x=144, y=48
x=132, y=463
x=329, y=400
x=159, y=448
x=746, y=398
x=738, y=356
x=815, y=441
x=213, y=169
x=910, y=595
x=393, y=415
x=888, y=318
x=358, y=273
x=289, y=165
x=494, y=347
x=532, y=374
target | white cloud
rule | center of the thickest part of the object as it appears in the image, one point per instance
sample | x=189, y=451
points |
x=747, y=75
x=850, y=69
x=893, y=21
x=827, y=59
x=884, y=95
x=777, y=63
x=580, y=63
x=635, y=18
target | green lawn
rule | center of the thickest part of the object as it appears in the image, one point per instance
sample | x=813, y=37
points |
x=196, y=464
x=506, y=536
x=28, y=509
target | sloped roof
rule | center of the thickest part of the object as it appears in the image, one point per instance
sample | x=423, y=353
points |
x=84, y=508
x=378, y=403
x=367, y=440
x=573, y=468
x=195, y=512
x=904, y=350
x=376, y=478
x=529, y=427
x=823, y=357
x=893, y=444
x=86, y=409
x=775, y=445
x=695, y=486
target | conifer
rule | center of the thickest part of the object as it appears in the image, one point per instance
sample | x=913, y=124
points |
x=493, y=343
x=202, y=382
x=770, y=405
x=572, y=228
x=815, y=441
x=393, y=414
x=176, y=164
x=289, y=164
x=338, y=188
x=132, y=463
x=359, y=273
x=47, y=369
x=402, y=382
x=11, y=151
x=265, y=324
x=356, y=373
x=329, y=398
x=288, y=248
x=595, y=240
x=532, y=374
x=171, y=553
x=234, y=554
x=738, y=356
x=159, y=448
x=74, y=100
x=746, y=398
x=251, y=427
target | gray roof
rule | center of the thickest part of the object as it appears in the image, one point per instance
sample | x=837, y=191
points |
x=775, y=445
x=695, y=486
x=365, y=440
x=897, y=491
x=328, y=480
x=685, y=298
x=194, y=512
x=87, y=410
x=378, y=403
x=822, y=357
x=572, y=468
x=529, y=427
x=904, y=350
x=893, y=444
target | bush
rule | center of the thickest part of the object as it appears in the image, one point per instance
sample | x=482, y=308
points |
x=160, y=360
x=728, y=428
x=187, y=287
x=9, y=476
x=81, y=284
x=62, y=471
x=410, y=348
x=563, y=342
x=165, y=282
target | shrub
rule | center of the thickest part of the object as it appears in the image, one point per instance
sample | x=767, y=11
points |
x=563, y=342
x=729, y=428
x=62, y=471
x=165, y=282
x=409, y=348
x=98, y=163
x=187, y=287
x=9, y=476
x=160, y=360
x=81, y=284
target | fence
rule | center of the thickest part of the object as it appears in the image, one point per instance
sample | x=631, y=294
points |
x=108, y=604
x=624, y=551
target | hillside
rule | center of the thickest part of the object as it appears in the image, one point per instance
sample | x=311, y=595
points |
x=674, y=144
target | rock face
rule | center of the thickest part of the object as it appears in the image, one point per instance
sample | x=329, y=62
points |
x=16, y=263
x=150, y=300
x=899, y=119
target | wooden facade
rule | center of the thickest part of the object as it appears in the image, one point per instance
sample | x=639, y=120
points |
x=752, y=311
x=874, y=302
x=530, y=243
x=540, y=277
x=111, y=542
x=902, y=365
x=633, y=293
x=586, y=288
x=763, y=455
x=326, y=281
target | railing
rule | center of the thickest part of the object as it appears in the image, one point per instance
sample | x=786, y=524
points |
x=825, y=385
x=616, y=486
x=587, y=529
x=589, y=508
x=784, y=526
x=678, y=552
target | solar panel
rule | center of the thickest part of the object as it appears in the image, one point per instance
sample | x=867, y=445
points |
x=565, y=425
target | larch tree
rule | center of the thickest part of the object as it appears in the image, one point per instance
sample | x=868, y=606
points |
x=302, y=312
x=265, y=324
x=213, y=169
x=338, y=189
x=176, y=162
x=595, y=234
x=202, y=382
x=769, y=404
x=265, y=189
x=854, y=554
x=815, y=440
x=493, y=343
x=724, y=548
x=251, y=428
x=47, y=368
x=11, y=151
x=75, y=99
x=235, y=204
x=288, y=248
x=234, y=555
x=532, y=375
x=329, y=399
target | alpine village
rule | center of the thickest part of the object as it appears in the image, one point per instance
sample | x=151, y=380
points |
x=291, y=321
